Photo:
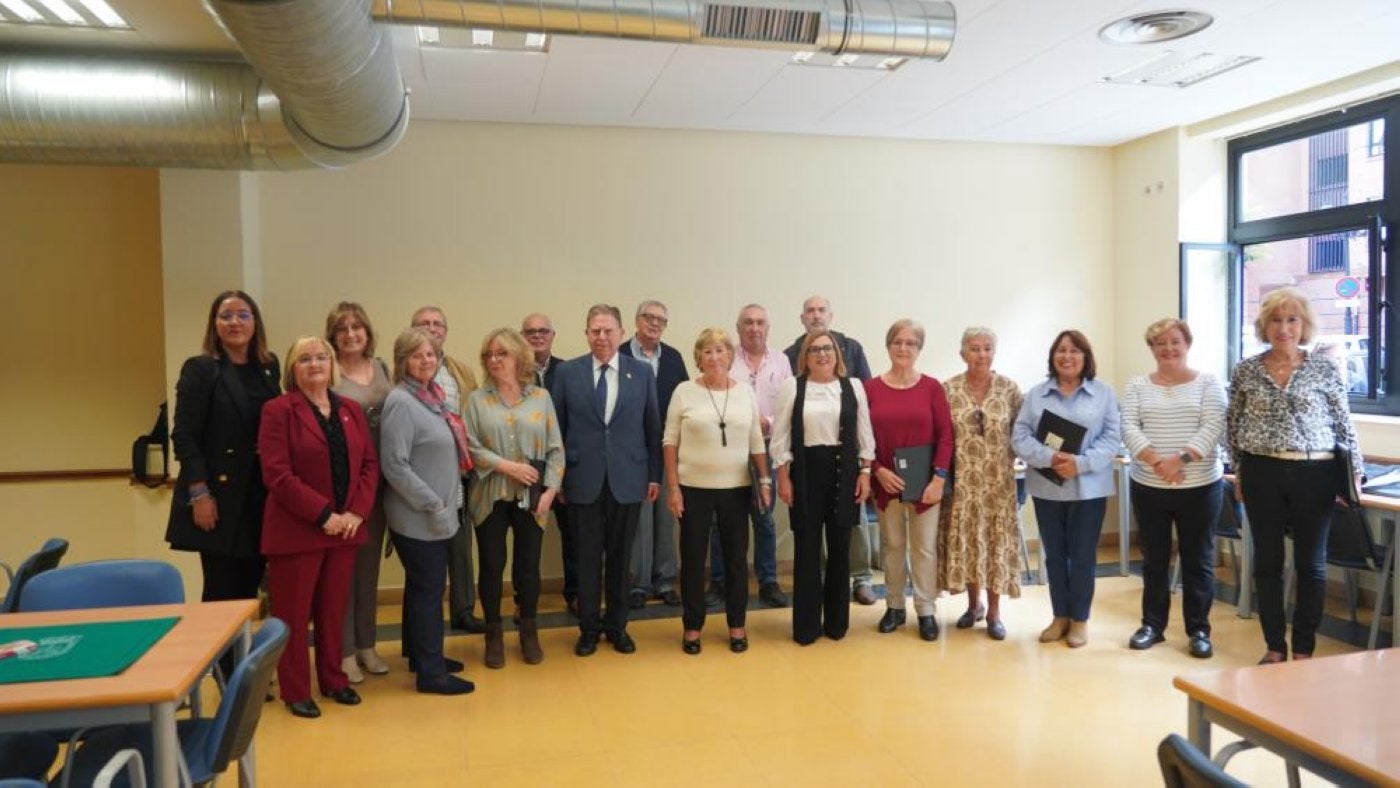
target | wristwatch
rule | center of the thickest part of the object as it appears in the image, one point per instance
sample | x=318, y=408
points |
x=941, y=473
x=1186, y=458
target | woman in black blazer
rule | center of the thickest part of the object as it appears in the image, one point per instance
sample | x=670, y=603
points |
x=218, y=503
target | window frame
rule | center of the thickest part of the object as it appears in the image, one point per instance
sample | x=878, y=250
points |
x=1382, y=217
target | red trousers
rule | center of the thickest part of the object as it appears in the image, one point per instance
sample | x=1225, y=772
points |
x=311, y=587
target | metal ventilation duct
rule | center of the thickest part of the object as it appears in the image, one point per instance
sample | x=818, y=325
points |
x=889, y=28
x=341, y=97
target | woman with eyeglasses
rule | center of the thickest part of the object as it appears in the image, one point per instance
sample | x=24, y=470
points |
x=981, y=545
x=518, y=454
x=1069, y=481
x=322, y=479
x=909, y=410
x=217, y=506
x=823, y=446
x=363, y=379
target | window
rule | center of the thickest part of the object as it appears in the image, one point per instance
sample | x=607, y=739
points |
x=1309, y=209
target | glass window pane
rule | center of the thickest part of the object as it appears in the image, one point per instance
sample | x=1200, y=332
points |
x=1205, y=276
x=1333, y=168
x=1332, y=270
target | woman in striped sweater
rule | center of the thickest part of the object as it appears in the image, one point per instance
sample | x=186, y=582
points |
x=1173, y=420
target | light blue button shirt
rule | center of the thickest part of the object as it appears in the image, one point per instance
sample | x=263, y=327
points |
x=1093, y=405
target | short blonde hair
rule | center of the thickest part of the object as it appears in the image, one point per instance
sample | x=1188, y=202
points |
x=409, y=340
x=914, y=326
x=1167, y=324
x=514, y=344
x=301, y=345
x=972, y=332
x=1278, y=299
x=713, y=336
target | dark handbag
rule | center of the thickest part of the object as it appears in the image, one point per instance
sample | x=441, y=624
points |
x=141, y=448
x=1344, y=474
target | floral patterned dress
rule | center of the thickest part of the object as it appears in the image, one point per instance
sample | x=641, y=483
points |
x=979, y=532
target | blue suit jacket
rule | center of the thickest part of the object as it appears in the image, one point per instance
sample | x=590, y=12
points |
x=626, y=451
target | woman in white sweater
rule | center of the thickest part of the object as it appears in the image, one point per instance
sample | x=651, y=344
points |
x=712, y=433
x=1173, y=420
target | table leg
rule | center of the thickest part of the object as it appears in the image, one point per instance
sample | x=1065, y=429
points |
x=1125, y=510
x=1197, y=726
x=1245, y=609
x=166, y=745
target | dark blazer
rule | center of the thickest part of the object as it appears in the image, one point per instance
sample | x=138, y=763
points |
x=296, y=466
x=215, y=437
x=670, y=373
x=627, y=449
x=550, y=368
x=851, y=352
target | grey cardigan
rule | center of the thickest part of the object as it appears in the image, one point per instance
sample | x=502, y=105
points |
x=419, y=460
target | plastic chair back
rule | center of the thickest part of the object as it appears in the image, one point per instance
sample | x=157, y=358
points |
x=232, y=729
x=1227, y=525
x=117, y=583
x=47, y=558
x=1184, y=766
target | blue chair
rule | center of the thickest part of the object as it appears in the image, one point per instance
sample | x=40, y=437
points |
x=208, y=745
x=1184, y=766
x=47, y=558
x=117, y=583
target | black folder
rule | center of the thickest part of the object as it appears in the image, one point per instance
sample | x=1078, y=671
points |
x=1060, y=434
x=536, y=489
x=914, y=465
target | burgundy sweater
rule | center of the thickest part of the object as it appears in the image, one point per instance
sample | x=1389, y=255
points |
x=900, y=418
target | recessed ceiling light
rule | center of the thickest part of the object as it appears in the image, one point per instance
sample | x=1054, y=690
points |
x=481, y=39
x=67, y=13
x=1155, y=27
x=1178, y=69
x=847, y=61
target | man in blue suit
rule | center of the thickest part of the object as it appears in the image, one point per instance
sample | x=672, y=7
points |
x=607, y=410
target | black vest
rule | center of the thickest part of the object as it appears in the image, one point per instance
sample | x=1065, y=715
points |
x=847, y=461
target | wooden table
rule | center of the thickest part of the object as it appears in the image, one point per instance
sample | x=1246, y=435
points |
x=1338, y=717
x=148, y=691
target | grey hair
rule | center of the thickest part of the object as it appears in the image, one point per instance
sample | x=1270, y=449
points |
x=972, y=332
x=650, y=302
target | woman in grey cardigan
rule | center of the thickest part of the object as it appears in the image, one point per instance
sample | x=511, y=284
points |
x=423, y=454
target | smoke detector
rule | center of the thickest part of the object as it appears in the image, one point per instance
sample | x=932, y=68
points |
x=1155, y=27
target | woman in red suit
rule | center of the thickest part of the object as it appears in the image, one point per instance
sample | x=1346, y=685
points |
x=321, y=473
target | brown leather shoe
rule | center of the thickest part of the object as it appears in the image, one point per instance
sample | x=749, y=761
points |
x=1059, y=627
x=1078, y=634
x=495, y=646
x=530, y=642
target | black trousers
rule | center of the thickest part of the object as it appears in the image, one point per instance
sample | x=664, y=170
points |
x=229, y=577
x=728, y=511
x=568, y=551
x=1194, y=511
x=524, y=565
x=425, y=578
x=820, y=605
x=603, y=534
x=1294, y=497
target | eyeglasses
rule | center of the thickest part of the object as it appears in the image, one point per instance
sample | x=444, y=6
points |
x=910, y=343
x=979, y=420
x=430, y=324
x=659, y=320
x=241, y=315
x=818, y=350
x=495, y=355
x=537, y=332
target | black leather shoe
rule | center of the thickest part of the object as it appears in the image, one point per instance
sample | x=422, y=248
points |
x=771, y=594
x=445, y=685
x=449, y=664
x=1146, y=637
x=739, y=645
x=304, y=708
x=637, y=600
x=691, y=647
x=928, y=628
x=890, y=621
x=466, y=622
x=345, y=697
x=996, y=630
x=714, y=596
x=669, y=598
x=587, y=644
x=1200, y=645
x=622, y=642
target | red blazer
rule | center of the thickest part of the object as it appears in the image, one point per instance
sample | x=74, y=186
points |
x=296, y=467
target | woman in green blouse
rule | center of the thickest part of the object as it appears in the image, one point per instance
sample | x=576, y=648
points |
x=518, y=454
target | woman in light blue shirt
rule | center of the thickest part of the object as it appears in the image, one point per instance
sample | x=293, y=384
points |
x=1070, y=491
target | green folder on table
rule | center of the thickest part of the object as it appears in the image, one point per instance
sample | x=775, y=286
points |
x=80, y=651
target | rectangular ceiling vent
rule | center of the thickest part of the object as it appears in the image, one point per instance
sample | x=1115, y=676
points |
x=746, y=23
x=1178, y=69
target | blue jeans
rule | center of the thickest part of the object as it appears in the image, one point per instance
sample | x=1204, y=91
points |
x=1070, y=532
x=765, y=544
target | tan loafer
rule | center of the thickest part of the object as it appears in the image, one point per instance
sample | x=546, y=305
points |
x=1078, y=634
x=352, y=670
x=370, y=660
x=1058, y=628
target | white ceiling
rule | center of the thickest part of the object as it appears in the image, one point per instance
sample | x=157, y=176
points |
x=1020, y=71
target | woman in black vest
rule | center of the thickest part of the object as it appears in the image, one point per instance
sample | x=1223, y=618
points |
x=823, y=446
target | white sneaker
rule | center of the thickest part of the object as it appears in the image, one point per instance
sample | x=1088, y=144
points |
x=371, y=662
x=352, y=670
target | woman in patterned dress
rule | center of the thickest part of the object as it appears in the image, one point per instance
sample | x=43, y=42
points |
x=981, y=532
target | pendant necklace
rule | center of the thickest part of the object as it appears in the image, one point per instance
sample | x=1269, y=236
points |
x=723, y=438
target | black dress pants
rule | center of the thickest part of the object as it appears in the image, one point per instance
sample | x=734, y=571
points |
x=525, y=561
x=1194, y=511
x=230, y=577
x=425, y=578
x=820, y=605
x=728, y=510
x=603, y=534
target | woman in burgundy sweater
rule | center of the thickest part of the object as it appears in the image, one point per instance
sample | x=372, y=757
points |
x=908, y=410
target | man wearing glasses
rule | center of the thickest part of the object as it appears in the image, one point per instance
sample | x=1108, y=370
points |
x=457, y=382
x=817, y=316
x=538, y=331
x=653, y=564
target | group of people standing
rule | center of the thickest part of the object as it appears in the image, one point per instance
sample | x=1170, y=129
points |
x=302, y=473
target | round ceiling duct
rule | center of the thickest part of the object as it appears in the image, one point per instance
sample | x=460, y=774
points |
x=1155, y=27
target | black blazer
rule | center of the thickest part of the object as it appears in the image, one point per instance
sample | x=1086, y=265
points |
x=670, y=372
x=550, y=368
x=216, y=441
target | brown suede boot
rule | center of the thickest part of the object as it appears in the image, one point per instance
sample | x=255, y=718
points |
x=495, y=646
x=530, y=642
